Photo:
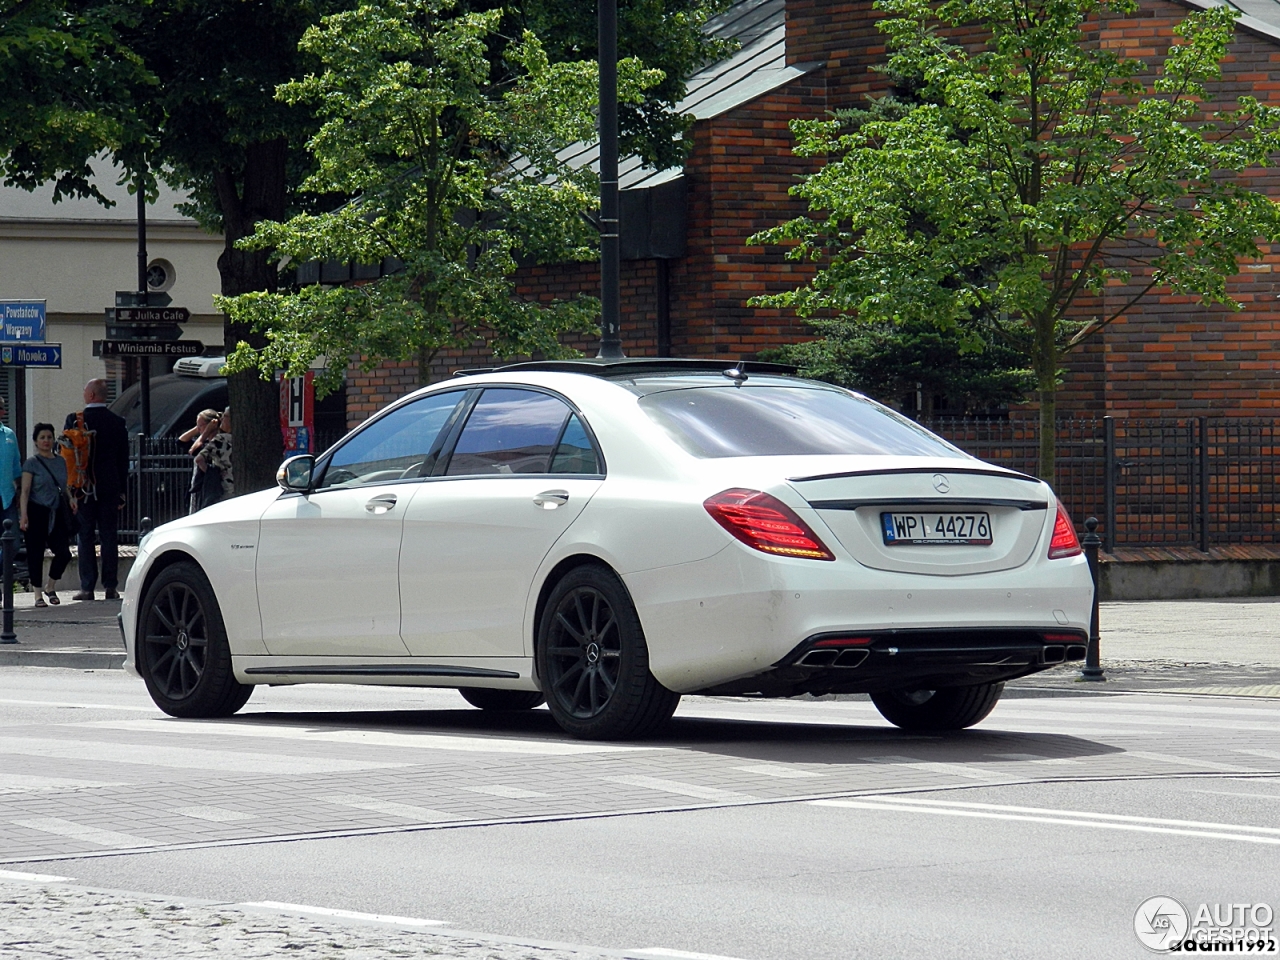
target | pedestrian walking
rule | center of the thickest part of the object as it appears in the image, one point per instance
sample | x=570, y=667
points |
x=103, y=496
x=46, y=513
x=216, y=455
x=10, y=467
x=206, y=485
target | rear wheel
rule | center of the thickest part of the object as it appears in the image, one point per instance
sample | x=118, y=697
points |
x=594, y=663
x=182, y=648
x=501, y=699
x=947, y=708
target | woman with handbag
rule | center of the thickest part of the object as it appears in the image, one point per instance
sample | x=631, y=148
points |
x=46, y=513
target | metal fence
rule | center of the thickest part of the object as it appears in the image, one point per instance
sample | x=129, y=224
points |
x=160, y=480
x=1193, y=481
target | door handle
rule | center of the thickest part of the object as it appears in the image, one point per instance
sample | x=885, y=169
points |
x=550, y=499
x=381, y=503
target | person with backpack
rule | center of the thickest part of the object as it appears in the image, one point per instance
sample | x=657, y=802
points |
x=47, y=515
x=99, y=486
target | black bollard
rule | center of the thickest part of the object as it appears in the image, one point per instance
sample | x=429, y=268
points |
x=1092, y=654
x=144, y=527
x=9, y=550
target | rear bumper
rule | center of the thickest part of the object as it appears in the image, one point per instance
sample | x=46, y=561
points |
x=741, y=615
x=881, y=660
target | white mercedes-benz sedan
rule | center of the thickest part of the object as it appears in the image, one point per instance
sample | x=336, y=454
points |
x=611, y=536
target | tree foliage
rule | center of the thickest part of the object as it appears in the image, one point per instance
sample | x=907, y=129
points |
x=1037, y=170
x=64, y=72
x=455, y=174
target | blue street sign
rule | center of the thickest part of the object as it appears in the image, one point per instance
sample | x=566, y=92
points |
x=22, y=321
x=31, y=355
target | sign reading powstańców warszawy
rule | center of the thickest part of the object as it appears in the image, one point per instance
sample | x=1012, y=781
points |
x=21, y=321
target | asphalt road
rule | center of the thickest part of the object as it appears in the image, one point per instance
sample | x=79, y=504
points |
x=751, y=830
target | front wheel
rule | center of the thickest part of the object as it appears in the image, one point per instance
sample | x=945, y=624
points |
x=181, y=647
x=501, y=699
x=594, y=663
x=947, y=708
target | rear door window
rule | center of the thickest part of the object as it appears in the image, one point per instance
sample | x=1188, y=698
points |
x=774, y=420
x=509, y=431
x=575, y=453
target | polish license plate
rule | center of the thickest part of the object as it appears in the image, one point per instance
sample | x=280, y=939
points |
x=909, y=529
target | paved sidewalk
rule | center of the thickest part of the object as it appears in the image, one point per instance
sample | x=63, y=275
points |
x=78, y=634
x=1228, y=647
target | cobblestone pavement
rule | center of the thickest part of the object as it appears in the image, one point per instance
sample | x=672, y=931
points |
x=57, y=922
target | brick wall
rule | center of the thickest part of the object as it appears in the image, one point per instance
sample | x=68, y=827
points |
x=1167, y=356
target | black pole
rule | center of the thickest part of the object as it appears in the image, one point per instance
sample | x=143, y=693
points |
x=144, y=363
x=1204, y=483
x=9, y=550
x=1092, y=653
x=610, y=260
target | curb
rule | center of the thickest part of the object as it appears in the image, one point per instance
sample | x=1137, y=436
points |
x=87, y=660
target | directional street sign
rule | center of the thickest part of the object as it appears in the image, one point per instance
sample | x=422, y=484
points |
x=131, y=298
x=147, y=348
x=21, y=320
x=148, y=314
x=143, y=331
x=31, y=355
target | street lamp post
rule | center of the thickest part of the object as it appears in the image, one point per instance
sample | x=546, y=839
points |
x=1092, y=656
x=610, y=260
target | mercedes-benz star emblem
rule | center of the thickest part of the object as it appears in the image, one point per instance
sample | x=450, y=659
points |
x=941, y=483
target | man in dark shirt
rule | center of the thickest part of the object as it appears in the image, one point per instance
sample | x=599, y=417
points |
x=100, y=508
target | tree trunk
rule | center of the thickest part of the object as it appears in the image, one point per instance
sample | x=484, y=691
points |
x=255, y=193
x=1045, y=363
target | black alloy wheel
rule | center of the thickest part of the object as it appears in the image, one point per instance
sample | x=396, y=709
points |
x=182, y=648
x=946, y=708
x=593, y=661
x=490, y=699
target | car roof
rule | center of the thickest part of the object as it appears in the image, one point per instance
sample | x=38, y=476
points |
x=632, y=367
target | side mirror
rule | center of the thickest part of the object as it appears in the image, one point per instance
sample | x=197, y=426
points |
x=295, y=473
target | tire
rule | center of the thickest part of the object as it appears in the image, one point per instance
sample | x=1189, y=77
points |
x=594, y=663
x=501, y=699
x=948, y=708
x=182, y=650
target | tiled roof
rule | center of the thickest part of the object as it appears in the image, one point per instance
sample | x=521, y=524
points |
x=759, y=66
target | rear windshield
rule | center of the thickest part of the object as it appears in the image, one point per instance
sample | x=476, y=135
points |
x=774, y=421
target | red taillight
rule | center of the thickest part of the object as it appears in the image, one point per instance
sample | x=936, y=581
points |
x=765, y=523
x=1065, y=543
x=842, y=642
x=1062, y=638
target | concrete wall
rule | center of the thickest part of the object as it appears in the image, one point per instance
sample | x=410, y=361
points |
x=1188, y=579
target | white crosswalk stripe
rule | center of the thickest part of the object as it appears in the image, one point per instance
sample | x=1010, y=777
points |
x=213, y=814
x=680, y=788
x=391, y=808
x=1190, y=762
x=83, y=832
x=1035, y=758
x=964, y=770
x=364, y=738
x=23, y=783
x=781, y=771
x=185, y=758
x=510, y=793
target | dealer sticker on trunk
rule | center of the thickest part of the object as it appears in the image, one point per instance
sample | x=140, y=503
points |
x=909, y=529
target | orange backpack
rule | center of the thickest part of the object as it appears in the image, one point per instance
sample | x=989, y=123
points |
x=77, y=450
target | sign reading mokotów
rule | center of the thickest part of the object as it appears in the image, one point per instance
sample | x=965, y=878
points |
x=23, y=320
x=31, y=355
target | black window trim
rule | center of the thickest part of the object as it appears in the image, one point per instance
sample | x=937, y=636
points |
x=442, y=464
x=322, y=464
x=453, y=430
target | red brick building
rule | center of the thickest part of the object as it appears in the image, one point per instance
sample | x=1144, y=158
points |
x=688, y=271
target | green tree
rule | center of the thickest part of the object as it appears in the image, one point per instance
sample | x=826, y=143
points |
x=1036, y=170
x=455, y=175
x=63, y=73
x=890, y=361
